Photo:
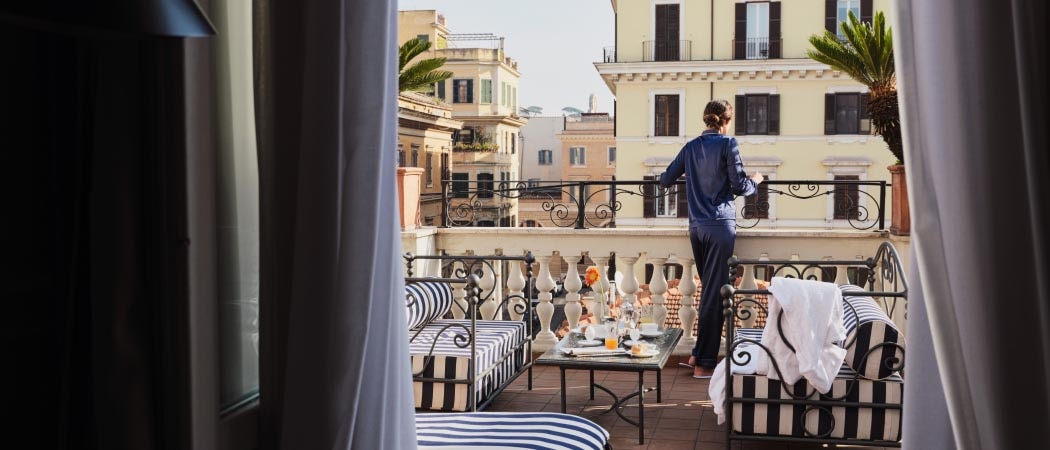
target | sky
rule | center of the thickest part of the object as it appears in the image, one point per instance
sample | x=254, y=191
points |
x=556, y=43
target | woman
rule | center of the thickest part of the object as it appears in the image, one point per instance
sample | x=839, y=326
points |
x=714, y=174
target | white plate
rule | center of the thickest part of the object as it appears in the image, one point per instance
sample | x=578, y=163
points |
x=591, y=343
x=577, y=330
x=652, y=334
x=631, y=343
x=645, y=354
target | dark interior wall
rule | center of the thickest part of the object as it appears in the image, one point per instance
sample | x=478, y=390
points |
x=92, y=131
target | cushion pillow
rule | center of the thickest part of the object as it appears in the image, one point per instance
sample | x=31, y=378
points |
x=869, y=331
x=426, y=301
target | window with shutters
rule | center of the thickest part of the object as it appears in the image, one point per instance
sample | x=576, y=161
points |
x=837, y=11
x=503, y=93
x=415, y=155
x=462, y=91
x=757, y=206
x=663, y=203
x=667, y=29
x=486, y=91
x=847, y=199
x=846, y=113
x=485, y=185
x=401, y=155
x=440, y=89
x=430, y=169
x=612, y=156
x=513, y=143
x=665, y=122
x=757, y=114
x=545, y=157
x=577, y=156
x=757, y=31
x=460, y=184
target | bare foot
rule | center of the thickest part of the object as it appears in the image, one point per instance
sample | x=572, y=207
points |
x=703, y=372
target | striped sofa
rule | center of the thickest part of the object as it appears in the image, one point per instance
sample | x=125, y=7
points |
x=864, y=405
x=462, y=364
x=540, y=431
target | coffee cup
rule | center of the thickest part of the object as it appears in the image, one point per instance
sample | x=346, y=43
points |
x=599, y=331
x=649, y=328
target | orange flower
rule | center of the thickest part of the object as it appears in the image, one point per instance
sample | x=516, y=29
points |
x=592, y=276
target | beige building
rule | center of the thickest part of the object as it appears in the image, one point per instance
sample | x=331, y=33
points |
x=424, y=140
x=483, y=93
x=796, y=119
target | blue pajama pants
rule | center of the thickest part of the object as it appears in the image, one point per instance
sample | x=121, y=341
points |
x=712, y=247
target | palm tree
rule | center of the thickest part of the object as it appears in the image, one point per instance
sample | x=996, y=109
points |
x=866, y=55
x=571, y=111
x=421, y=76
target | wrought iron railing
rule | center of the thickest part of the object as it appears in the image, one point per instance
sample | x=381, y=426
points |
x=592, y=204
x=609, y=54
x=667, y=51
x=757, y=48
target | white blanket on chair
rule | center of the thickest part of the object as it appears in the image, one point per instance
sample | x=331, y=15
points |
x=812, y=324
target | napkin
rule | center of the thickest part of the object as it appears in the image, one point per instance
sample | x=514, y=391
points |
x=593, y=351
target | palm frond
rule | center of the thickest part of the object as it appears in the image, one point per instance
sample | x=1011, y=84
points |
x=409, y=50
x=423, y=82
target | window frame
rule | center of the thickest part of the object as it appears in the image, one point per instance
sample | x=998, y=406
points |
x=831, y=113
x=753, y=30
x=430, y=169
x=545, y=161
x=469, y=91
x=486, y=184
x=460, y=187
x=486, y=91
x=578, y=156
x=682, y=119
x=610, y=156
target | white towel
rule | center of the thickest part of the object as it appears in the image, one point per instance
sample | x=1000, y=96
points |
x=812, y=324
x=717, y=389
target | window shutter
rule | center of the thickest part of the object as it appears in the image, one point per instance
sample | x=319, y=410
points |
x=470, y=91
x=683, y=201
x=740, y=35
x=773, y=114
x=774, y=30
x=740, y=115
x=862, y=114
x=455, y=92
x=830, y=17
x=648, y=192
x=441, y=90
x=865, y=11
x=672, y=115
x=829, y=113
x=660, y=121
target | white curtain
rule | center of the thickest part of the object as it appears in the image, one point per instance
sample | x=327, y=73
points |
x=972, y=78
x=335, y=365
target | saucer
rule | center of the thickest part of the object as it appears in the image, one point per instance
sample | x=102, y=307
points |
x=647, y=354
x=652, y=334
x=590, y=343
x=631, y=343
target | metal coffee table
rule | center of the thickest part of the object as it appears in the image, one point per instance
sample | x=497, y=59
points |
x=665, y=343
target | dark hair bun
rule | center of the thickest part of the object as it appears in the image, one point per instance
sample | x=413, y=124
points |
x=717, y=113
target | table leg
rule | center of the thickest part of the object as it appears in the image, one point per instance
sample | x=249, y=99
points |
x=641, y=407
x=592, y=385
x=563, y=390
x=659, y=386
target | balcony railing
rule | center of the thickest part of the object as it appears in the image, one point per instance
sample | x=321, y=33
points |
x=667, y=51
x=592, y=204
x=609, y=54
x=757, y=48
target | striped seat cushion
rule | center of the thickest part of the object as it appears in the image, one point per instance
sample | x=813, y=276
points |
x=509, y=431
x=496, y=339
x=840, y=422
x=871, y=333
x=426, y=301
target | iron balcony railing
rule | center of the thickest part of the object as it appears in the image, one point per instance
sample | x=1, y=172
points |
x=609, y=54
x=591, y=204
x=757, y=48
x=667, y=51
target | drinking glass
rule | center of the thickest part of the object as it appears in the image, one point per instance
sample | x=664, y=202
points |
x=612, y=336
x=635, y=334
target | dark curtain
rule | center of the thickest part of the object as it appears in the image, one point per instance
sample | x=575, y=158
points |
x=972, y=79
x=334, y=366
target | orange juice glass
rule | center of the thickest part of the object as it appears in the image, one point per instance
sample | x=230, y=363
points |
x=611, y=342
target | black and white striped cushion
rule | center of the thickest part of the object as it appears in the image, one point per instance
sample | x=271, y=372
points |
x=509, y=431
x=426, y=301
x=867, y=327
x=495, y=340
x=802, y=421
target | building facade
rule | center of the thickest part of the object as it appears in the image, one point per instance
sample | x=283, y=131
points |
x=589, y=154
x=483, y=93
x=796, y=119
x=424, y=140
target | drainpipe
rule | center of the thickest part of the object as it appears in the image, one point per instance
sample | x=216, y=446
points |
x=712, y=29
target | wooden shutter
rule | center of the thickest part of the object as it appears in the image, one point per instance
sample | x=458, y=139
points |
x=773, y=114
x=455, y=92
x=672, y=115
x=672, y=37
x=774, y=30
x=830, y=17
x=740, y=34
x=470, y=91
x=865, y=11
x=683, y=201
x=740, y=115
x=864, y=127
x=829, y=113
x=660, y=119
x=441, y=89
x=648, y=203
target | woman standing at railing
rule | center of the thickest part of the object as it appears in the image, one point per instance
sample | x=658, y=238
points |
x=714, y=175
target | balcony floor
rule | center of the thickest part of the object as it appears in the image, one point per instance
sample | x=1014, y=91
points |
x=684, y=420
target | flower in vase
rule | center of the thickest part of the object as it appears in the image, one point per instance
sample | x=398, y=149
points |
x=593, y=278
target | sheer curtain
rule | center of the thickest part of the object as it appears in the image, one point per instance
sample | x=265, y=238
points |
x=973, y=98
x=334, y=369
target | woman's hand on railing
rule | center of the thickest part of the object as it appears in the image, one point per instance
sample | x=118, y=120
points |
x=758, y=178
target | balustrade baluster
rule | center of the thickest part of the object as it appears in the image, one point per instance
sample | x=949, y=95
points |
x=601, y=305
x=573, y=310
x=545, y=310
x=748, y=308
x=630, y=280
x=657, y=288
x=515, y=284
x=488, y=300
x=687, y=313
